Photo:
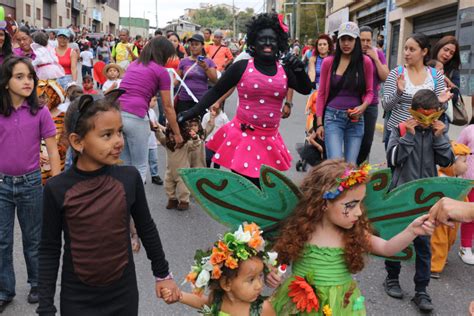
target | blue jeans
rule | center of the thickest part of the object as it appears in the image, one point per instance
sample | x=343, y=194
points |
x=341, y=136
x=370, y=120
x=86, y=70
x=153, y=161
x=136, y=131
x=25, y=194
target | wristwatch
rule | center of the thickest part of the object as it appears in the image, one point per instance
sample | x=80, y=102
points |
x=168, y=277
x=290, y=104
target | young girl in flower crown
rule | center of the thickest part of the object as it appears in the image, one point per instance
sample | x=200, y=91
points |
x=232, y=271
x=326, y=239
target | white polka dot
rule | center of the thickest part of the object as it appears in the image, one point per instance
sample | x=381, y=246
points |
x=244, y=134
x=250, y=69
x=276, y=125
x=225, y=135
x=271, y=114
x=278, y=162
x=251, y=61
x=262, y=138
x=256, y=169
x=262, y=101
x=288, y=151
x=255, y=86
x=249, y=148
x=284, y=87
x=273, y=138
x=269, y=147
x=232, y=161
x=270, y=80
x=237, y=147
x=284, y=76
x=217, y=156
x=279, y=66
x=228, y=143
x=247, y=107
x=276, y=94
x=253, y=137
x=212, y=137
x=246, y=165
x=245, y=96
x=255, y=116
x=242, y=84
x=232, y=124
x=258, y=157
x=264, y=125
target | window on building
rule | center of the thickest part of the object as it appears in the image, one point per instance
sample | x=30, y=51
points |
x=38, y=13
x=83, y=19
x=90, y=22
x=28, y=10
x=68, y=13
x=60, y=21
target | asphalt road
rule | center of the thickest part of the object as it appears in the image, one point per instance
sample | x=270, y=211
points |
x=184, y=232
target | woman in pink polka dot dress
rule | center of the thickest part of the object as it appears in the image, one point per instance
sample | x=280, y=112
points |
x=252, y=137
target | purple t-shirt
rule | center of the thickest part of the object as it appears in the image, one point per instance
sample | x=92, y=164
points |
x=19, y=52
x=196, y=79
x=346, y=98
x=20, y=139
x=141, y=83
x=375, y=100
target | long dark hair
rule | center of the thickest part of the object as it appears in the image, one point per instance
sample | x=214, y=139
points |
x=6, y=73
x=455, y=62
x=179, y=53
x=424, y=42
x=355, y=71
x=159, y=50
x=7, y=45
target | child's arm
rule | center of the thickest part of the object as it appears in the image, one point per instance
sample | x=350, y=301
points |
x=160, y=136
x=388, y=248
x=267, y=309
x=443, y=152
x=399, y=148
x=210, y=125
x=53, y=154
x=189, y=299
x=49, y=252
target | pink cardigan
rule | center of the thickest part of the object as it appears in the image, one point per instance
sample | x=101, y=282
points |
x=325, y=83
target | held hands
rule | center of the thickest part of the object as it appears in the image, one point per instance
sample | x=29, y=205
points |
x=135, y=243
x=438, y=128
x=422, y=226
x=168, y=291
x=447, y=211
x=285, y=111
x=179, y=141
x=320, y=132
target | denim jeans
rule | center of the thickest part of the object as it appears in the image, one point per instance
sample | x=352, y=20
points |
x=64, y=81
x=209, y=155
x=136, y=131
x=340, y=132
x=86, y=70
x=25, y=194
x=153, y=161
x=422, y=264
x=370, y=120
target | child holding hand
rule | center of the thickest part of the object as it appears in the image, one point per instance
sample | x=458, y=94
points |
x=233, y=272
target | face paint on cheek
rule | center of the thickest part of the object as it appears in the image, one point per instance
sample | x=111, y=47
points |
x=345, y=212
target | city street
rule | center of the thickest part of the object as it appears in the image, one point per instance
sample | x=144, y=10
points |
x=183, y=232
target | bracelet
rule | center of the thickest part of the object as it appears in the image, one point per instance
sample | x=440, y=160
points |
x=290, y=104
x=168, y=277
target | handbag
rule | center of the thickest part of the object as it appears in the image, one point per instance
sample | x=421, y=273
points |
x=459, y=112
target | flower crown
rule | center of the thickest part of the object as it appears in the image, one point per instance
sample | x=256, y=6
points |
x=228, y=251
x=351, y=177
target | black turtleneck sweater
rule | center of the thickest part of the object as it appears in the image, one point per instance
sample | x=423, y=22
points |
x=298, y=81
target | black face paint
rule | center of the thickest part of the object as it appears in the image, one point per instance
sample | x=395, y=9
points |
x=348, y=206
x=266, y=44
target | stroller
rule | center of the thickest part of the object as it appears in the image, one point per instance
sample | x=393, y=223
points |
x=312, y=151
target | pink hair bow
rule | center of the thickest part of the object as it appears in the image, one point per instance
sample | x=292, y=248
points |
x=283, y=26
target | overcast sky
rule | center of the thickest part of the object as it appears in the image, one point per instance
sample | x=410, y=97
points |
x=172, y=9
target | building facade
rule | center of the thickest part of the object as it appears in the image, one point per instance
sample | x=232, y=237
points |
x=101, y=16
x=136, y=26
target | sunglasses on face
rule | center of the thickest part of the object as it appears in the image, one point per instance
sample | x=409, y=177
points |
x=426, y=117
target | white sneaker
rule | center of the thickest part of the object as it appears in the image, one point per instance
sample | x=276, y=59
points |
x=466, y=255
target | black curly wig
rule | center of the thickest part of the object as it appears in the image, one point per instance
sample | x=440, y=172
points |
x=266, y=21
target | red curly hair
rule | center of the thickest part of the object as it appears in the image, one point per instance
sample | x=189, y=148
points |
x=300, y=225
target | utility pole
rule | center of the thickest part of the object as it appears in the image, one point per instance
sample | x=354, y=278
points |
x=233, y=20
x=129, y=14
x=293, y=18
x=298, y=19
x=156, y=16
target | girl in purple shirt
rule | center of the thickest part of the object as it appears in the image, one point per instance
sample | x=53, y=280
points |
x=23, y=124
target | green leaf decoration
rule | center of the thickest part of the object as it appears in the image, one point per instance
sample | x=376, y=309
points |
x=232, y=199
x=391, y=212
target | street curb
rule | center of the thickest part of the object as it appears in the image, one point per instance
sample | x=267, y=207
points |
x=379, y=127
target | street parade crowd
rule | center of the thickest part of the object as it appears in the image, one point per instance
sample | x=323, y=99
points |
x=75, y=157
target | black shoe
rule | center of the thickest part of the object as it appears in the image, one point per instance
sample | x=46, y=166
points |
x=392, y=288
x=423, y=301
x=299, y=165
x=3, y=305
x=33, y=295
x=156, y=180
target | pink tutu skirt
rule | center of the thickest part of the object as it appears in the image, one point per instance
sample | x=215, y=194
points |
x=245, y=150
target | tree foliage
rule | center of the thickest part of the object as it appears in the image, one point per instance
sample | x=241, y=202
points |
x=221, y=18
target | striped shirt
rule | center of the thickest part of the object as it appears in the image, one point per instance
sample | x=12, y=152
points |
x=398, y=104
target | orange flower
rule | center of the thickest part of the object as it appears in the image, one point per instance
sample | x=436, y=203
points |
x=303, y=295
x=222, y=246
x=255, y=242
x=191, y=277
x=231, y=263
x=217, y=256
x=252, y=228
x=216, y=273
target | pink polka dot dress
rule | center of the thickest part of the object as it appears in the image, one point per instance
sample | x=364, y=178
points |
x=252, y=137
